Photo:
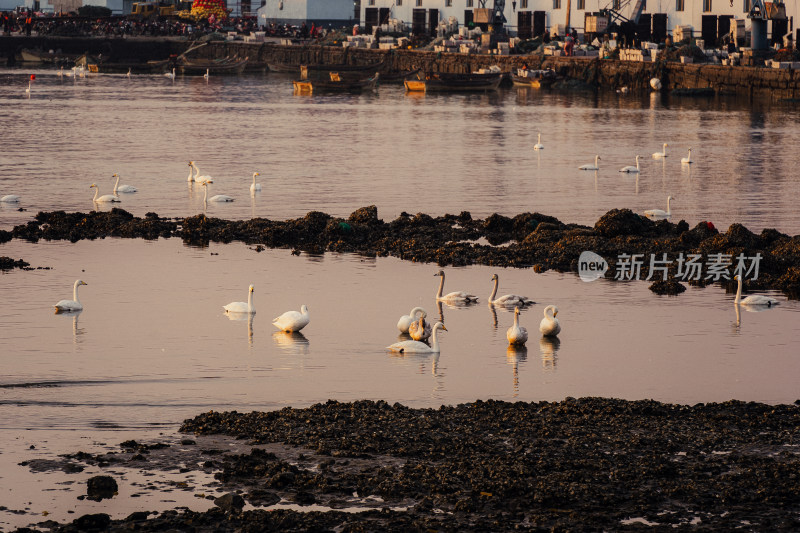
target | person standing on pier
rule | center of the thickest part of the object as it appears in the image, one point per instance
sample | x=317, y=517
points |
x=28, y=23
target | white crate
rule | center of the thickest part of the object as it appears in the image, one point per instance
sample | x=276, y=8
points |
x=687, y=59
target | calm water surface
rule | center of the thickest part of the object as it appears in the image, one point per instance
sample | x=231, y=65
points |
x=153, y=347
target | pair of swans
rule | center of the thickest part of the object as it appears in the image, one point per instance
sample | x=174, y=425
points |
x=659, y=213
x=753, y=299
x=507, y=299
x=65, y=306
x=590, y=166
x=122, y=188
x=106, y=198
x=415, y=325
x=194, y=174
x=418, y=346
x=455, y=297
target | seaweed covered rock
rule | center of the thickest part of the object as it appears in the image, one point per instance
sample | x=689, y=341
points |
x=365, y=215
x=670, y=286
x=622, y=222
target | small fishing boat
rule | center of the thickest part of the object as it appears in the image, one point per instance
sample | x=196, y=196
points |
x=283, y=68
x=335, y=83
x=443, y=82
x=533, y=78
x=217, y=67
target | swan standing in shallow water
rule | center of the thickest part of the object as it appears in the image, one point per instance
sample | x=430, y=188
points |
x=550, y=326
x=453, y=297
x=662, y=154
x=417, y=346
x=255, y=186
x=122, y=188
x=631, y=169
x=539, y=145
x=71, y=305
x=516, y=334
x=659, y=213
x=292, y=321
x=242, y=307
x=216, y=197
x=507, y=299
x=105, y=197
x=688, y=159
x=420, y=331
x=753, y=299
x=590, y=166
x=10, y=199
x=406, y=320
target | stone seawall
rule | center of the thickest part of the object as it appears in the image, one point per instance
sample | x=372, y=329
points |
x=754, y=82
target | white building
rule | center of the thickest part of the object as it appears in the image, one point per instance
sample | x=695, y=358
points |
x=334, y=13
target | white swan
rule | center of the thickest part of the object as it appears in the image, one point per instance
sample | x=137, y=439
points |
x=242, y=307
x=191, y=171
x=406, y=320
x=206, y=74
x=659, y=213
x=516, y=334
x=122, y=188
x=662, y=154
x=128, y=75
x=255, y=186
x=550, y=326
x=197, y=177
x=420, y=331
x=105, y=197
x=417, y=346
x=292, y=321
x=28, y=90
x=507, y=299
x=631, y=169
x=456, y=296
x=539, y=145
x=590, y=166
x=10, y=199
x=688, y=159
x=216, y=197
x=71, y=305
x=753, y=299
x=170, y=75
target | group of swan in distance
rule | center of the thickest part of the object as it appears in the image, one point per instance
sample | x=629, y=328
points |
x=65, y=306
x=507, y=299
x=590, y=166
x=105, y=198
x=292, y=321
x=753, y=299
x=659, y=213
x=455, y=296
x=217, y=197
x=539, y=145
x=122, y=188
x=242, y=307
x=419, y=346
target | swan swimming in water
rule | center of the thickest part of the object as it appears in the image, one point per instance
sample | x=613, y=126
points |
x=688, y=159
x=10, y=199
x=122, y=188
x=550, y=326
x=255, y=186
x=455, y=296
x=662, y=154
x=417, y=346
x=539, y=145
x=753, y=299
x=420, y=331
x=242, y=307
x=406, y=320
x=170, y=75
x=631, y=169
x=507, y=299
x=659, y=213
x=516, y=334
x=197, y=177
x=105, y=197
x=292, y=321
x=71, y=305
x=590, y=166
x=216, y=197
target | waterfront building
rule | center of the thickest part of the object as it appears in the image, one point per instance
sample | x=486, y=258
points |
x=325, y=13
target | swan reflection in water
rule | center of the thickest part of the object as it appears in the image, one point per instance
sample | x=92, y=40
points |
x=549, y=348
x=241, y=317
x=514, y=355
x=295, y=343
x=77, y=332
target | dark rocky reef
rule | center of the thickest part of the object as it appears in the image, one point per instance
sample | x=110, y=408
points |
x=526, y=240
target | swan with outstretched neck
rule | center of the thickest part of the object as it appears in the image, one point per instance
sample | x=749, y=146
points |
x=688, y=159
x=242, y=307
x=590, y=166
x=122, y=188
x=105, y=197
x=216, y=197
x=539, y=145
x=421, y=330
x=292, y=321
x=550, y=326
x=506, y=299
x=662, y=154
x=74, y=304
x=753, y=299
x=417, y=346
x=659, y=213
x=406, y=320
x=630, y=169
x=255, y=186
x=516, y=334
x=455, y=296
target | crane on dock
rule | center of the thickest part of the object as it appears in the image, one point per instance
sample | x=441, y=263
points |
x=497, y=15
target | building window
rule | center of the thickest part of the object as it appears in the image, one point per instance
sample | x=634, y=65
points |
x=581, y=4
x=679, y=5
x=399, y=2
x=372, y=2
x=448, y=3
x=469, y=3
x=747, y=6
x=419, y=3
x=556, y=4
x=524, y=4
x=706, y=6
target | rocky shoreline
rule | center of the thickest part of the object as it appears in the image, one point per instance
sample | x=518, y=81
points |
x=527, y=240
x=587, y=464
